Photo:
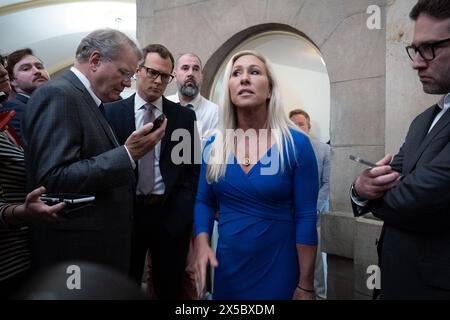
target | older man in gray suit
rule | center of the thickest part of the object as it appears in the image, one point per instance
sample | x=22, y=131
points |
x=322, y=150
x=70, y=148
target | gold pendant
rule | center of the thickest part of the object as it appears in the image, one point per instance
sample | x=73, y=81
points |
x=246, y=161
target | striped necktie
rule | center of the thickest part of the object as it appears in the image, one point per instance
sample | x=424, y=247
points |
x=147, y=163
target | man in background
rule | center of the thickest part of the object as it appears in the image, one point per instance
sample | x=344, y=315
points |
x=189, y=77
x=322, y=150
x=27, y=73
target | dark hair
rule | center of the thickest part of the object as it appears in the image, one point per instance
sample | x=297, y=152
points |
x=303, y=113
x=159, y=49
x=439, y=9
x=300, y=111
x=108, y=42
x=14, y=58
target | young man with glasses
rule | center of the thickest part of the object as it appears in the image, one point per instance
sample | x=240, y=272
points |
x=410, y=194
x=165, y=191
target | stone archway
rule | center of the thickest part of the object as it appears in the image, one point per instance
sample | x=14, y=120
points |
x=214, y=62
x=298, y=65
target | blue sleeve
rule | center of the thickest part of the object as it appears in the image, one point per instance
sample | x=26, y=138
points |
x=205, y=203
x=306, y=188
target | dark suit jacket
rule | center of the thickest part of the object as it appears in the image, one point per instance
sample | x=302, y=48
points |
x=70, y=147
x=180, y=180
x=414, y=250
x=18, y=104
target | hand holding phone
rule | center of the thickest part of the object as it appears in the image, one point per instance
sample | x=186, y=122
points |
x=367, y=163
x=363, y=161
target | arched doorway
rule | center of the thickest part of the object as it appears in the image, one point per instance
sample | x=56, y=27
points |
x=298, y=65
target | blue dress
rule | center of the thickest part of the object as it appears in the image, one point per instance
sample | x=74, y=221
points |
x=261, y=218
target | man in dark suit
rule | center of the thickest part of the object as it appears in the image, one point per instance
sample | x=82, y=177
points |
x=165, y=192
x=71, y=148
x=27, y=73
x=411, y=193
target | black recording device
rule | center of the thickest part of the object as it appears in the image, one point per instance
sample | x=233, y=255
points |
x=158, y=122
x=67, y=198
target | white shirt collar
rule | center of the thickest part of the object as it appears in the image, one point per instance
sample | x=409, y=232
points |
x=85, y=81
x=444, y=103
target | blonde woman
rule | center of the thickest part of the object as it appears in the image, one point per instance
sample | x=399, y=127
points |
x=260, y=173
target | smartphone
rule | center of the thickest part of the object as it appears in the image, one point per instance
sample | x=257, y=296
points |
x=158, y=122
x=361, y=160
x=67, y=198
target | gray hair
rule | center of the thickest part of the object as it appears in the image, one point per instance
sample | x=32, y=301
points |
x=108, y=42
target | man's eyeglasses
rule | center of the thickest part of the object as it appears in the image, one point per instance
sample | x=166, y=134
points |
x=153, y=74
x=126, y=75
x=427, y=50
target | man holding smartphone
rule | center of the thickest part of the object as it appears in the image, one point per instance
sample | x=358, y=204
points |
x=70, y=148
x=166, y=189
x=414, y=249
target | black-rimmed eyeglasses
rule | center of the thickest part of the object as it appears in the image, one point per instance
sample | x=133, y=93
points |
x=153, y=74
x=427, y=50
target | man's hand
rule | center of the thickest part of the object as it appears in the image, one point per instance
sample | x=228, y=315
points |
x=141, y=141
x=373, y=183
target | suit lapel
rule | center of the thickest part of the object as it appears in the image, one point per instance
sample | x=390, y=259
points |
x=128, y=115
x=73, y=79
x=168, y=113
x=426, y=137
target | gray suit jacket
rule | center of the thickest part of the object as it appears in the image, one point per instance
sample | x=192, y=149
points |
x=70, y=147
x=322, y=152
